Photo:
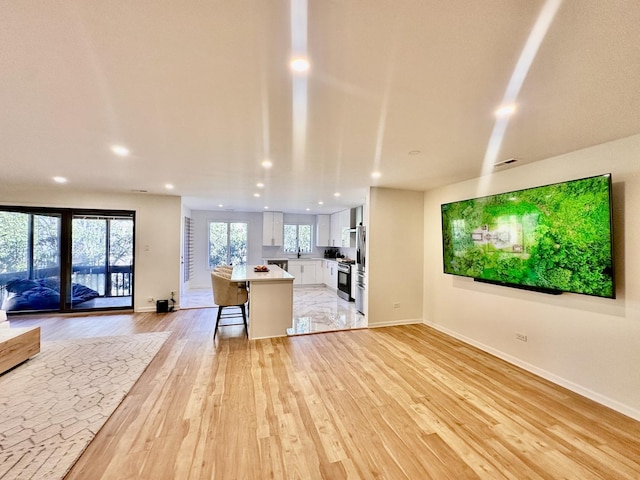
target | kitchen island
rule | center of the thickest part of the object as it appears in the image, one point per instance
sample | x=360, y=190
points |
x=270, y=300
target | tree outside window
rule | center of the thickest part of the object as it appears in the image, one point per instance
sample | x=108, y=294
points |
x=227, y=243
x=297, y=238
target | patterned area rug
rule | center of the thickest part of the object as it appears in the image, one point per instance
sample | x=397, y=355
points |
x=52, y=406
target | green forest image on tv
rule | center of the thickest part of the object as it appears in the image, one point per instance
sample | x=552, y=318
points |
x=555, y=237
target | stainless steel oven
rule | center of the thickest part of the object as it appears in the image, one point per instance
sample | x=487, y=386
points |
x=344, y=280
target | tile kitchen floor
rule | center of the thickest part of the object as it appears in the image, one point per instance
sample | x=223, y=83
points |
x=319, y=309
x=315, y=309
x=197, y=298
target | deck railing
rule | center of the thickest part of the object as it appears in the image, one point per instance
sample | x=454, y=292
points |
x=110, y=281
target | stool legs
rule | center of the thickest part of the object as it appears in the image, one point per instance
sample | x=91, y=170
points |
x=215, y=330
x=244, y=318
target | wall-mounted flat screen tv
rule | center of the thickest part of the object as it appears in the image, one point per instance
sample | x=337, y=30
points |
x=555, y=238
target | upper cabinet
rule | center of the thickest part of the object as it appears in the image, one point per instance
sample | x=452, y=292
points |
x=272, y=228
x=340, y=225
x=345, y=226
x=335, y=230
x=359, y=215
x=323, y=231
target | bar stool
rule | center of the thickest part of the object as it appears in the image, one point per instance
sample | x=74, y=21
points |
x=228, y=294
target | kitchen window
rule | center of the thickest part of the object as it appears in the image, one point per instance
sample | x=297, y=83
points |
x=297, y=238
x=227, y=243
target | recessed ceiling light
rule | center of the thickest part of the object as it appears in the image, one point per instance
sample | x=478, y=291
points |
x=505, y=110
x=376, y=174
x=337, y=194
x=59, y=179
x=260, y=185
x=505, y=162
x=320, y=203
x=257, y=195
x=308, y=209
x=120, y=150
x=169, y=186
x=267, y=163
x=299, y=65
x=266, y=207
x=220, y=205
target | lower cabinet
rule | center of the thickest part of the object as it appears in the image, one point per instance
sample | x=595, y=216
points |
x=330, y=274
x=305, y=273
x=314, y=272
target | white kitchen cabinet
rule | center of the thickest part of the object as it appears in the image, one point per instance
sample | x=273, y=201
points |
x=340, y=226
x=337, y=224
x=309, y=273
x=345, y=225
x=325, y=272
x=295, y=269
x=272, y=228
x=323, y=231
x=305, y=272
x=335, y=230
x=330, y=274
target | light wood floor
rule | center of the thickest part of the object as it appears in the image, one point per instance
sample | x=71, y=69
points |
x=391, y=403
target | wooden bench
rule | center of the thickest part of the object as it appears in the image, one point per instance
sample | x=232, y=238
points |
x=17, y=345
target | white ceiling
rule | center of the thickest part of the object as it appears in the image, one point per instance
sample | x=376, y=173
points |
x=201, y=93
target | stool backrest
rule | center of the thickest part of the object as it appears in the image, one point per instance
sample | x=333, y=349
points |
x=225, y=292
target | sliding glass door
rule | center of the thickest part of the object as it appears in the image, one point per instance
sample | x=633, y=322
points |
x=63, y=260
x=102, y=261
x=29, y=261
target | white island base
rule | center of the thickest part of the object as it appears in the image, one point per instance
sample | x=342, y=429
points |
x=270, y=300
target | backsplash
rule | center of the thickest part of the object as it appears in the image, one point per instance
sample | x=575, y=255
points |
x=318, y=252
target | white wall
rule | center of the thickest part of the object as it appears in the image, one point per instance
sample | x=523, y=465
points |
x=590, y=345
x=395, y=256
x=157, y=255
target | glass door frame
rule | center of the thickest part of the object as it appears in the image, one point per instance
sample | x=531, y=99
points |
x=65, y=254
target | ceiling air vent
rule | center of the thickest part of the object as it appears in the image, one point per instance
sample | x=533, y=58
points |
x=505, y=162
x=135, y=190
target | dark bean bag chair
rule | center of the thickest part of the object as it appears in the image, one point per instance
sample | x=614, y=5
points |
x=19, y=285
x=42, y=294
x=35, y=298
x=81, y=293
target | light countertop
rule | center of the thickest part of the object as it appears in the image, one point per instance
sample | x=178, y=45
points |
x=302, y=259
x=245, y=273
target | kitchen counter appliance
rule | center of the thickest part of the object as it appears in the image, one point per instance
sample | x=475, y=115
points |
x=344, y=280
x=360, y=288
x=360, y=276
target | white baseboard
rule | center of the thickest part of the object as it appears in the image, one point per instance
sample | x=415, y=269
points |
x=153, y=309
x=393, y=323
x=563, y=382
